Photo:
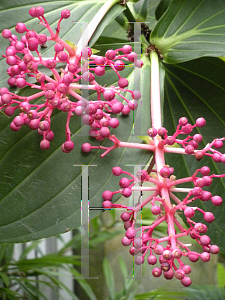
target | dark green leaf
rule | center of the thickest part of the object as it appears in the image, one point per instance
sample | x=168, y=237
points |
x=190, y=29
x=109, y=278
x=198, y=292
x=192, y=91
x=139, y=10
x=161, y=8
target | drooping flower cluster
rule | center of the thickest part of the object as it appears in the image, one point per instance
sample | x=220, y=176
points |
x=163, y=185
x=80, y=72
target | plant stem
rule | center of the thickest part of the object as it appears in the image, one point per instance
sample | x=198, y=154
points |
x=91, y=28
x=159, y=151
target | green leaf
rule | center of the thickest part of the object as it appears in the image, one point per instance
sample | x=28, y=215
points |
x=221, y=275
x=40, y=190
x=199, y=292
x=72, y=45
x=161, y=8
x=4, y=279
x=108, y=273
x=139, y=9
x=191, y=29
x=31, y=247
x=192, y=91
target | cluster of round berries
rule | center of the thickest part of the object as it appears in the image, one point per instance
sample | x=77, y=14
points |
x=141, y=239
x=190, y=143
x=80, y=70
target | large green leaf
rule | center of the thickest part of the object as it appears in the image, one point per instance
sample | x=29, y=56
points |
x=82, y=12
x=190, y=29
x=139, y=9
x=197, y=89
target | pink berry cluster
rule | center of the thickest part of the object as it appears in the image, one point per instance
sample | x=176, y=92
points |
x=190, y=143
x=81, y=69
x=170, y=249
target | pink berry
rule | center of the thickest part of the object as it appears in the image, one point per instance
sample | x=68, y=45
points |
x=107, y=204
x=133, y=104
x=109, y=94
x=207, y=180
x=33, y=44
x=152, y=132
x=165, y=172
x=6, y=33
x=205, y=240
x=125, y=216
x=50, y=64
x=11, y=81
x=126, y=49
x=199, y=182
x=65, y=14
x=130, y=233
x=13, y=127
x=10, y=51
x=205, y=256
x=218, y=144
x=186, y=281
x=189, y=149
x=117, y=107
x=19, y=46
x=45, y=144
x=136, y=95
x=104, y=132
x=127, y=192
x=20, y=83
x=216, y=200
x=18, y=121
x=170, y=140
x=158, y=249
x=63, y=56
x=3, y=91
x=199, y=227
x=6, y=98
x=42, y=38
x=205, y=196
x=209, y=217
x=119, y=65
x=167, y=254
x=187, y=128
x=197, y=138
x=9, y=110
x=24, y=107
x=117, y=171
x=132, y=56
x=99, y=71
x=124, y=182
x=123, y=82
x=205, y=170
x=183, y=121
x=49, y=136
x=222, y=158
x=177, y=253
x=11, y=60
x=44, y=125
x=156, y=272
x=86, y=147
x=193, y=257
x=199, y=155
x=99, y=61
x=138, y=63
x=110, y=54
x=126, y=241
x=125, y=110
x=187, y=269
x=200, y=122
x=214, y=249
x=107, y=195
x=62, y=88
x=216, y=157
x=72, y=68
x=152, y=260
x=189, y=212
x=114, y=123
x=179, y=274
x=139, y=260
x=162, y=132
x=155, y=210
x=69, y=145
